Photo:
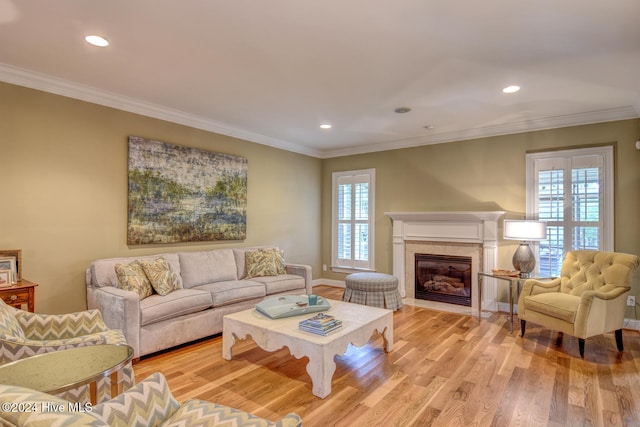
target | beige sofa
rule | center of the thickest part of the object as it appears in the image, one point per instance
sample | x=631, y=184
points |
x=210, y=285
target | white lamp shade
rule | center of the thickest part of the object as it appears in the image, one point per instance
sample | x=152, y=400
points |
x=524, y=230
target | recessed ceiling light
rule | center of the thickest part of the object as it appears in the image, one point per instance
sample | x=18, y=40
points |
x=511, y=89
x=97, y=41
x=402, y=110
x=325, y=126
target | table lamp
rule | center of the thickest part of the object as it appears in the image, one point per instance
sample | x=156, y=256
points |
x=526, y=231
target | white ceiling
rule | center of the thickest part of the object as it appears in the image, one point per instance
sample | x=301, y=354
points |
x=271, y=71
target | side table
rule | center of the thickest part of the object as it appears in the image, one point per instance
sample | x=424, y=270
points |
x=513, y=281
x=63, y=370
x=23, y=292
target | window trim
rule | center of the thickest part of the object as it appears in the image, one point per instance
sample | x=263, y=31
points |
x=607, y=188
x=335, y=266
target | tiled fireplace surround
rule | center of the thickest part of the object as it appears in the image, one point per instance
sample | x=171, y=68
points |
x=469, y=234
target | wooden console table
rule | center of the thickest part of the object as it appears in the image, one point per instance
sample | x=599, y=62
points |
x=22, y=292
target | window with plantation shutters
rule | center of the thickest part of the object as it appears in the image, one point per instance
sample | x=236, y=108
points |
x=353, y=213
x=572, y=191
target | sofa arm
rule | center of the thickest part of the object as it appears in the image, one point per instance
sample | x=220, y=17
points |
x=120, y=310
x=302, y=271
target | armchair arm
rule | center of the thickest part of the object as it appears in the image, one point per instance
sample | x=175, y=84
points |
x=60, y=326
x=535, y=287
x=14, y=348
x=303, y=271
x=600, y=311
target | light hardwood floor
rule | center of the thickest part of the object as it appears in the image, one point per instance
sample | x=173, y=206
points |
x=445, y=370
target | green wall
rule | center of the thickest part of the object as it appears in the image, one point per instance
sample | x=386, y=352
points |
x=64, y=164
x=64, y=198
x=485, y=174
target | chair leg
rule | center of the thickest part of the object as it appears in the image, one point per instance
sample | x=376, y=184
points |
x=523, y=325
x=581, y=346
x=559, y=339
x=618, y=334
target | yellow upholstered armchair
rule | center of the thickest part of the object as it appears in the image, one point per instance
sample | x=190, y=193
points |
x=24, y=334
x=588, y=298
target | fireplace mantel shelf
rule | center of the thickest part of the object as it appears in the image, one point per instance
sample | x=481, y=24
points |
x=446, y=216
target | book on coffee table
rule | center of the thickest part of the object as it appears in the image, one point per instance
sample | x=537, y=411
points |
x=321, y=324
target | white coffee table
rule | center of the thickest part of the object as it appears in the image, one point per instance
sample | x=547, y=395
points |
x=359, y=322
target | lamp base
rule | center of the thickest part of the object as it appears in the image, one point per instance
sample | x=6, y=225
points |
x=524, y=260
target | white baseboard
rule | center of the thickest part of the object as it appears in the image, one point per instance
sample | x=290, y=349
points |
x=329, y=282
x=632, y=324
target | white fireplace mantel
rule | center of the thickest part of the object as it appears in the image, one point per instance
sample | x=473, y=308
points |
x=453, y=227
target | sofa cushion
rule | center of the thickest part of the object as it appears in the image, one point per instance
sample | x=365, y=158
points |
x=102, y=271
x=160, y=275
x=199, y=268
x=230, y=292
x=281, y=283
x=131, y=277
x=157, y=308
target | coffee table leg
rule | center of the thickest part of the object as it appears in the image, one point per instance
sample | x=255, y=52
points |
x=321, y=370
x=228, y=340
x=387, y=337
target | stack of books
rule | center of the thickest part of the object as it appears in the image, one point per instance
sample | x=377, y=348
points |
x=321, y=324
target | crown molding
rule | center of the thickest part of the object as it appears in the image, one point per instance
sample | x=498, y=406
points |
x=586, y=118
x=46, y=83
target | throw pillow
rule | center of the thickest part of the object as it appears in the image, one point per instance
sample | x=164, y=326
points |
x=260, y=263
x=133, y=278
x=162, y=278
x=281, y=266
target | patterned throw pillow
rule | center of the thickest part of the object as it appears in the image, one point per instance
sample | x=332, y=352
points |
x=133, y=278
x=161, y=276
x=260, y=263
x=281, y=266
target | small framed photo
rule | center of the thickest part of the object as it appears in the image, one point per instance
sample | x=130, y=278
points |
x=8, y=263
x=17, y=255
x=5, y=278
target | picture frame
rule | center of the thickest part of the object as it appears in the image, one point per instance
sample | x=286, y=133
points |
x=5, y=278
x=17, y=254
x=184, y=194
x=8, y=263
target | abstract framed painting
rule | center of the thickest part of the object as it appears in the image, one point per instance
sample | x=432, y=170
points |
x=184, y=194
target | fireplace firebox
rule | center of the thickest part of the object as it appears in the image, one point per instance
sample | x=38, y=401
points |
x=443, y=278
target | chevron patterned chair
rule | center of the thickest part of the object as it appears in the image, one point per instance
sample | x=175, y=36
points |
x=24, y=334
x=148, y=403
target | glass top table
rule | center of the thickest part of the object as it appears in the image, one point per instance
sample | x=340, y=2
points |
x=63, y=370
x=514, y=282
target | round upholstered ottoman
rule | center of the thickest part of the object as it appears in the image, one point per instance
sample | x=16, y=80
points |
x=374, y=289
